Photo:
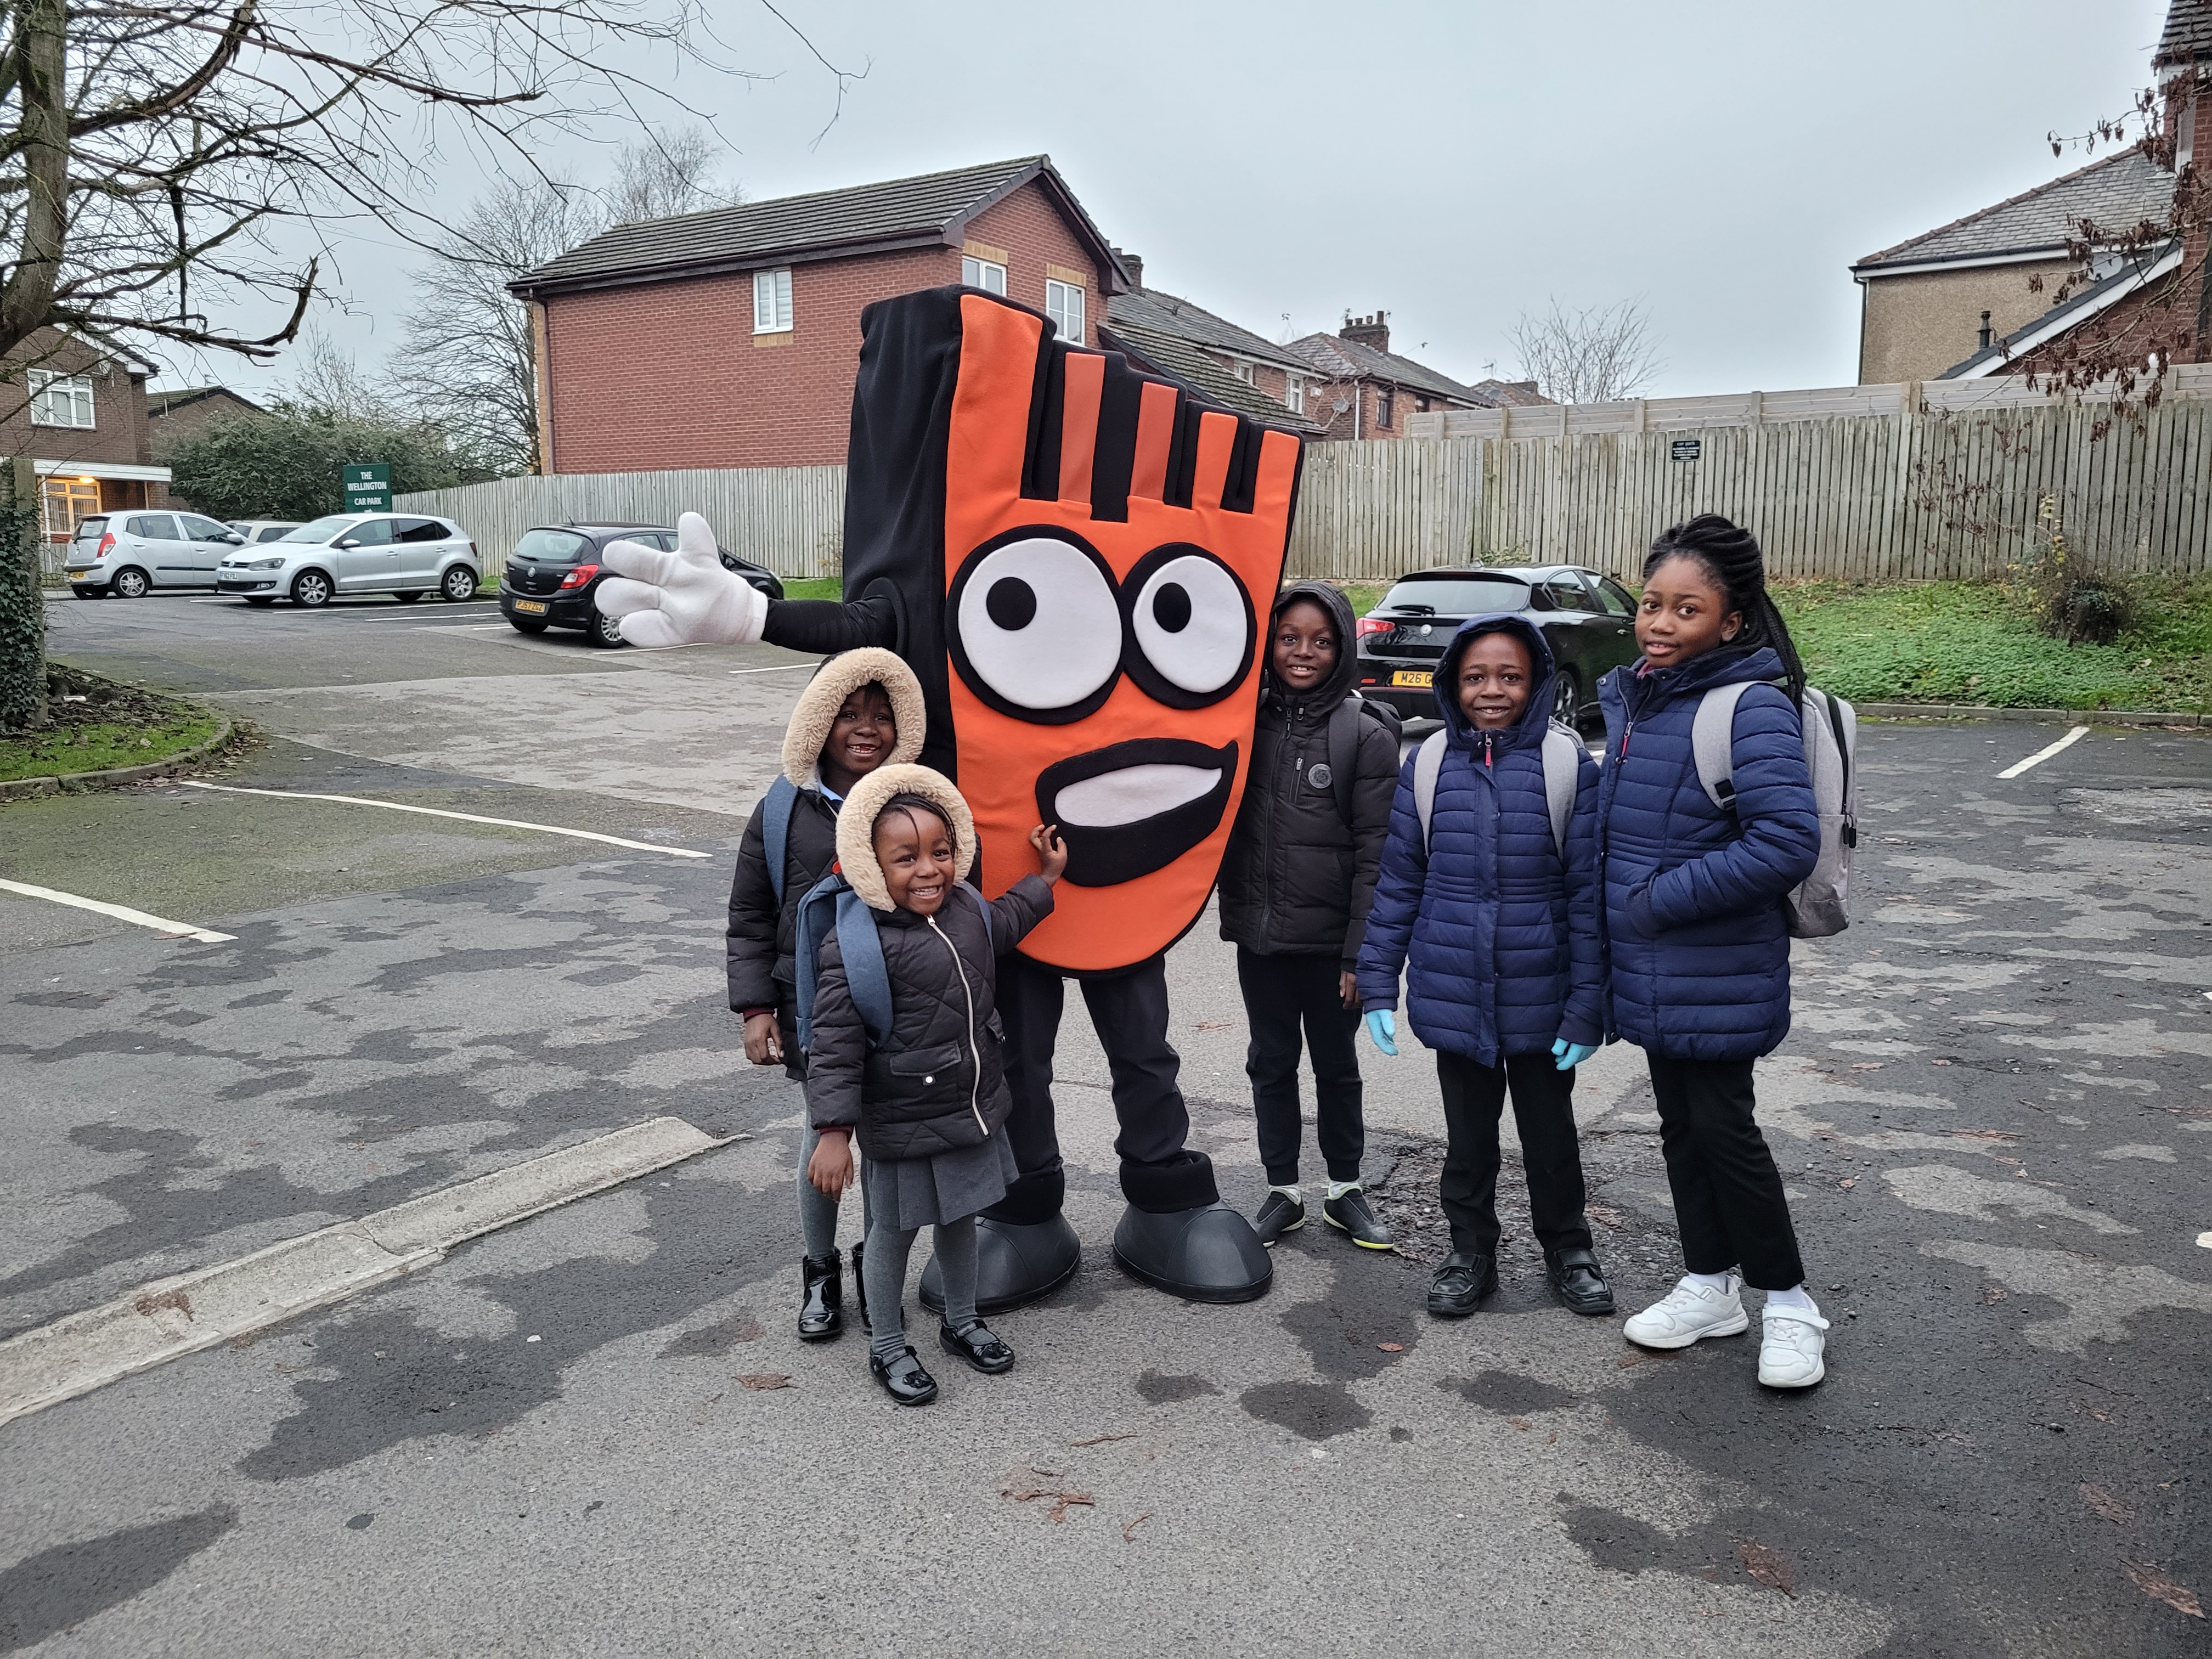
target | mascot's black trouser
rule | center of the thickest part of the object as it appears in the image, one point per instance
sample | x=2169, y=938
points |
x=1129, y=1012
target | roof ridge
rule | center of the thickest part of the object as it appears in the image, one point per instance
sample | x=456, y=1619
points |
x=1999, y=207
x=835, y=190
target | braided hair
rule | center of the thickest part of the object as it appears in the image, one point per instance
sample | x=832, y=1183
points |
x=1729, y=555
x=907, y=802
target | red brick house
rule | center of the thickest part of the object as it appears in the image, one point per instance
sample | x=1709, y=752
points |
x=78, y=411
x=187, y=411
x=729, y=337
x=1232, y=366
x=1366, y=391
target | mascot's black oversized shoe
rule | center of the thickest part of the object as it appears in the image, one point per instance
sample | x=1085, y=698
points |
x=1578, y=1282
x=860, y=1286
x=903, y=1379
x=1460, y=1284
x=979, y=1345
x=1015, y=1264
x=1208, y=1254
x=822, y=1298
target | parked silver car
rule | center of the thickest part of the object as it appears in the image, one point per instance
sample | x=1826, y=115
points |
x=403, y=554
x=264, y=530
x=131, y=554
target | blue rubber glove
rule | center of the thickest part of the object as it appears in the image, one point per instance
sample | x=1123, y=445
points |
x=1383, y=1027
x=1571, y=1055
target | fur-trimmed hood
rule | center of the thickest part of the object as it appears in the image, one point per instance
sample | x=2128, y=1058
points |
x=856, y=823
x=837, y=678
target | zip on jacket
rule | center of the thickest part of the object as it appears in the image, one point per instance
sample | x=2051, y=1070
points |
x=974, y=1053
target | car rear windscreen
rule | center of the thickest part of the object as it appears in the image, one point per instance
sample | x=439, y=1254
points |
x=553, y=546
x=91, y=529
x=1457, y=596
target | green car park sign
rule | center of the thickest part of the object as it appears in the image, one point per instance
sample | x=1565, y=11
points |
x=367, y=486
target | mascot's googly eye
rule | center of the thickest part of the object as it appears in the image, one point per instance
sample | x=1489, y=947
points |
x=1190, y=627
x=1035, y=630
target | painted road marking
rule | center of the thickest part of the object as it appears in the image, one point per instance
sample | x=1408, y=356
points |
x=781, y=668
x=2205, y=1240
x=2043, y=754
x=440, y=812
x=172, y=1317
x=120, y=913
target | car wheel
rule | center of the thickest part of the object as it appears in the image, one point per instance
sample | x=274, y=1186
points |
x=131, y=584
x=523, y=625
x=408, y=598
x=1567, y=700
x=457, y=584
x=265, y=599
x=605, y=630
x=310, y=589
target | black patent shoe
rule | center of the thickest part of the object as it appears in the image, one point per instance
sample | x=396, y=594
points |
x=1348, y=1213
x=978, y=1345
x=904, y=1378
x=821, y=1308
x=860, y=1286
x=1460, y=1284
x=1280, y=1215
x=1578, y=1282
x=1016, y=1264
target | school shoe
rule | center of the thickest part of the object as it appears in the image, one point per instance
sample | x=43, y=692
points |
x=1348, y=1213
x=1460, y=1285
x=904, y=1378
x=1578, y=1281
x=860, y=1287
x=1688, y=1314
x=1791, y=1347
x=821, y=1307
x=1281, y=1214
x=978, y=1345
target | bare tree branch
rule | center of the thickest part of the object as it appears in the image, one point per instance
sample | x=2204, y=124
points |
x=1588, y=357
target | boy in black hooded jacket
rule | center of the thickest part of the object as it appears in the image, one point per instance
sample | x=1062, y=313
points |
x=1296, y=884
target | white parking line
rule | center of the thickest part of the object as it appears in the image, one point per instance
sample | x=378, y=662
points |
x=781, y=668
x=2043, y=754
x=440, y=812
x=120, y=913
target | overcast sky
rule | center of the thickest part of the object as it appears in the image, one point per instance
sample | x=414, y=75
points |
x=1453, y=163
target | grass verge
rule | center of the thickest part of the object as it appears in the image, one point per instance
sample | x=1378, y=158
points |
x=97, y=725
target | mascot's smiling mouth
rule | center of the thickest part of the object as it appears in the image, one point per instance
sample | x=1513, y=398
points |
x=1131, y=808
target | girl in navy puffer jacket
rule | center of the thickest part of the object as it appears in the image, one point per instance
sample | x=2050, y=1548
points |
x=1699, y=944
x=1496, y=924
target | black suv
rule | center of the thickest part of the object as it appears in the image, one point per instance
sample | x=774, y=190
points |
x=1589, y=621
x=554, y=570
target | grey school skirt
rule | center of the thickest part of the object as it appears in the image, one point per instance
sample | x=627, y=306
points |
x=907, y=1192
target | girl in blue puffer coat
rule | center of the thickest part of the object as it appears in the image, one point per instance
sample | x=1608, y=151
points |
x=1698, y=942
x=1494, y=918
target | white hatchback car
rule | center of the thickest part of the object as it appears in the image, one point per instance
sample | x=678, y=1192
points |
x=403, y=554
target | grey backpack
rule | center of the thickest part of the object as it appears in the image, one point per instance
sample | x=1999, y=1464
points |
x=1815, y=910
x=1563, y=754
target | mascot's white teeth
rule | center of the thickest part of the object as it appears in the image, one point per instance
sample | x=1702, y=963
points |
x=1134, y=793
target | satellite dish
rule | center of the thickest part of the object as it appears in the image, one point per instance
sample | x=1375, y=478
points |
x=1341, y=404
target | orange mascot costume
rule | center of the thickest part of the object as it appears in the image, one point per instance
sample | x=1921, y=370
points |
x=1074, y=557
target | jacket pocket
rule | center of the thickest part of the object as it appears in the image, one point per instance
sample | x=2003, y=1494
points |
x=925, y=1065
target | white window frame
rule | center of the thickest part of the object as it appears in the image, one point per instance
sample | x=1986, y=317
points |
x=1246, y=371
x=1294, y=393
x=772, y=301
x=1057, y=295
x=987, y=274
x=58, y=399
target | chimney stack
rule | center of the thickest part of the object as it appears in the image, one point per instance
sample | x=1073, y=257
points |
x=1134, y=264
x=1373, y=330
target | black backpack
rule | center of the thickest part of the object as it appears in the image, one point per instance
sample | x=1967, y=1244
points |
x=1344, y=744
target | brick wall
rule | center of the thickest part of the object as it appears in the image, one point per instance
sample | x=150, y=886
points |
x=118, y=406
x=666, y=375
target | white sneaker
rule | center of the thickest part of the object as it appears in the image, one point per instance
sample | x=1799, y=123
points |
x=1790, y=1347
x=1689, y=1312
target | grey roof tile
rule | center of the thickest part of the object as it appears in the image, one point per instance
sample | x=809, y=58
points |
x=1181, y=359
x=2188, y=34
x=1169, y=314
x=2117, y=193
x=1343, y=359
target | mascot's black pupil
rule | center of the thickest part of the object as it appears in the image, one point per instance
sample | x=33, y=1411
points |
x=1011, y=604
x=1171, y=607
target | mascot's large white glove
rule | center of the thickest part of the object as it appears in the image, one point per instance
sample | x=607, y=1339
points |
x=685, y=598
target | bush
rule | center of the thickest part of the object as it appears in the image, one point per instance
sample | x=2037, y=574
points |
x=2092, y=609
x=284, y=464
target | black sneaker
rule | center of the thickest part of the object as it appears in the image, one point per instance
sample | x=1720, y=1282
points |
x=1350, y=1214
x=1281, y=1214
x=1460, y=1284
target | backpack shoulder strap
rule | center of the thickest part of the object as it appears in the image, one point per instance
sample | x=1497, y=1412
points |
x=1428, y=762
x=817, y=915
x=1343, y=753
x=866, y=973
x=1712, y=742
x=983, y=910
x=775, y=828
x=1563, y=754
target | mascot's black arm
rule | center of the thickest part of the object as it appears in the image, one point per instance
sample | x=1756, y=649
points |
x=828, y=626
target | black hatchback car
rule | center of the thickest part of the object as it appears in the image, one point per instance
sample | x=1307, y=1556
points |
x=1589, y=621
x=554, y=570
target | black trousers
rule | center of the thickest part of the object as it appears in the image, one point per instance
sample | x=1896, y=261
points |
x=1129, y=1012
x=1544, y=1112
x=1728, y=1202
x=1281, y=993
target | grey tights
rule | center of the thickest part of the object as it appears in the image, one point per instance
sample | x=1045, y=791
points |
x=818, y=1210
x=884, y=1267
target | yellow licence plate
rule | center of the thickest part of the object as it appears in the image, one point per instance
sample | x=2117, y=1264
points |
x=1413, y=677
x=539, y=605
